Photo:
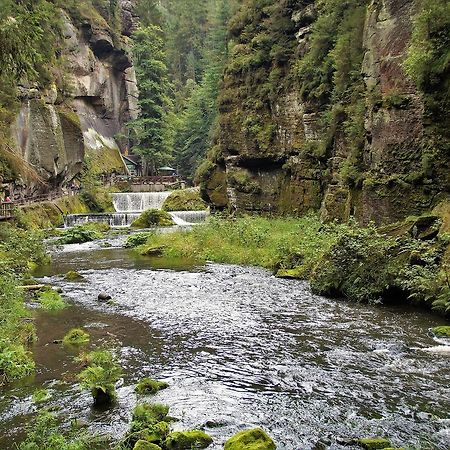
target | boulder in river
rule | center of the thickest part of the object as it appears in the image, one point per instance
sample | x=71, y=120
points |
x=103, y=296
x=374, y=443
x=254, y=439
x=443, y=331
x=72, y=275
x=187, y=440
x=148, y=386
x=145, y=445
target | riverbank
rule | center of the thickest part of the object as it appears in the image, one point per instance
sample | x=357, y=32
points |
x=406, y=262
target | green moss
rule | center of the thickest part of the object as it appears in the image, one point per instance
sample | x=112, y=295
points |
x=153, y=218
x=184, y=200
x=41, y=396
x=442, y=331
x=149, y=386
x=76, y=336
x=73, y=276
x=50, y=300
x=82, y=233
x=255, y=439
x=145, y=445
x=147, y=414
x=374, y=443
x=187, y=440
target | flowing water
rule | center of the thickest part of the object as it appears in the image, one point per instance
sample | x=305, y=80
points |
x=130, y=205
x=239, y=349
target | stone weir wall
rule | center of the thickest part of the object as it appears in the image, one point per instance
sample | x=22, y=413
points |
x=278, y=150
x=57, y=131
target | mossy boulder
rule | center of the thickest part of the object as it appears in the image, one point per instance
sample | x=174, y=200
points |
x=148, y=386
x=184, y=200
x=72, y=275
x=76, y=336
x=374, y=443
x=254, y=439
x=147, y=414
x=442, y=331
x=145, y=445
x=187, y=440
x=153, y=218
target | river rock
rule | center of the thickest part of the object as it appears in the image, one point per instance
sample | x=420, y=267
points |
x=145, y=445
x=255, y=439
x=186, y=440
x=103, y=296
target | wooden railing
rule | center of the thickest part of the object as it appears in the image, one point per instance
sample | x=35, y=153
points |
x=6, y=210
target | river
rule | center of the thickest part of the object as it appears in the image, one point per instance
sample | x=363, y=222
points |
x=239, y=349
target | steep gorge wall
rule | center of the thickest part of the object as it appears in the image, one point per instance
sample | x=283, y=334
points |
x=77, y=122
x=317, y=112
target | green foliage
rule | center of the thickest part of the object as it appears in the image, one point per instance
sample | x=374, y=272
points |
x=184, y=200
x=45, y=433
x=50, y=300
x=100, y=376
x=151, y=131
x=428, y=61
x=442, y=331
x=148, y=386
x=153, y=218
x=15, y=361
x=83, y=233
x=76, y=336
x=41, y=396
x=137, y=239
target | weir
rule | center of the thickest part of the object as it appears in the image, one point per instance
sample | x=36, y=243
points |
x=130, y=205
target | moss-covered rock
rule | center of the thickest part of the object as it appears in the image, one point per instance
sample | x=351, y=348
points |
x=374, y=443
x=255, y=439
x=187, y=440
x=153, y=218
x=145, y=445
x=148, y=414
x=184, y=200
x=442, y=331
x=72, y=275
x=149, y=386
x=76, y=336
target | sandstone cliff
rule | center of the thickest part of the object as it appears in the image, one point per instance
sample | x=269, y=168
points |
x=317, y=111
x=77, y=122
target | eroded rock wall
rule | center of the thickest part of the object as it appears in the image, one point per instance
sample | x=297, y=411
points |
x=58, y=130
x=281, y=155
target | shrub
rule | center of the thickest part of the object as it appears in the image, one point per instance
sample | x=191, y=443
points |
x=100, y=376
x=137, y=239
x=76, y=336
x=153, y=218
x=51, y=300
x=15, y=361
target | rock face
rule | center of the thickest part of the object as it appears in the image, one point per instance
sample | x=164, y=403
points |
x=283, y=150
x=56, y=131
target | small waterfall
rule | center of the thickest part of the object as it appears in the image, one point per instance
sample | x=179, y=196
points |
x=189, y=217
x=128, y=208
x=111, y=219
x=139, y=201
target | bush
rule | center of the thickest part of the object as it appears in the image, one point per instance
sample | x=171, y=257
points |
x=82, y=233
x=137, y=239
x=153, y=218
x=100, y=376
x=50, y=300
x=76, y=336
x=15, y=361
